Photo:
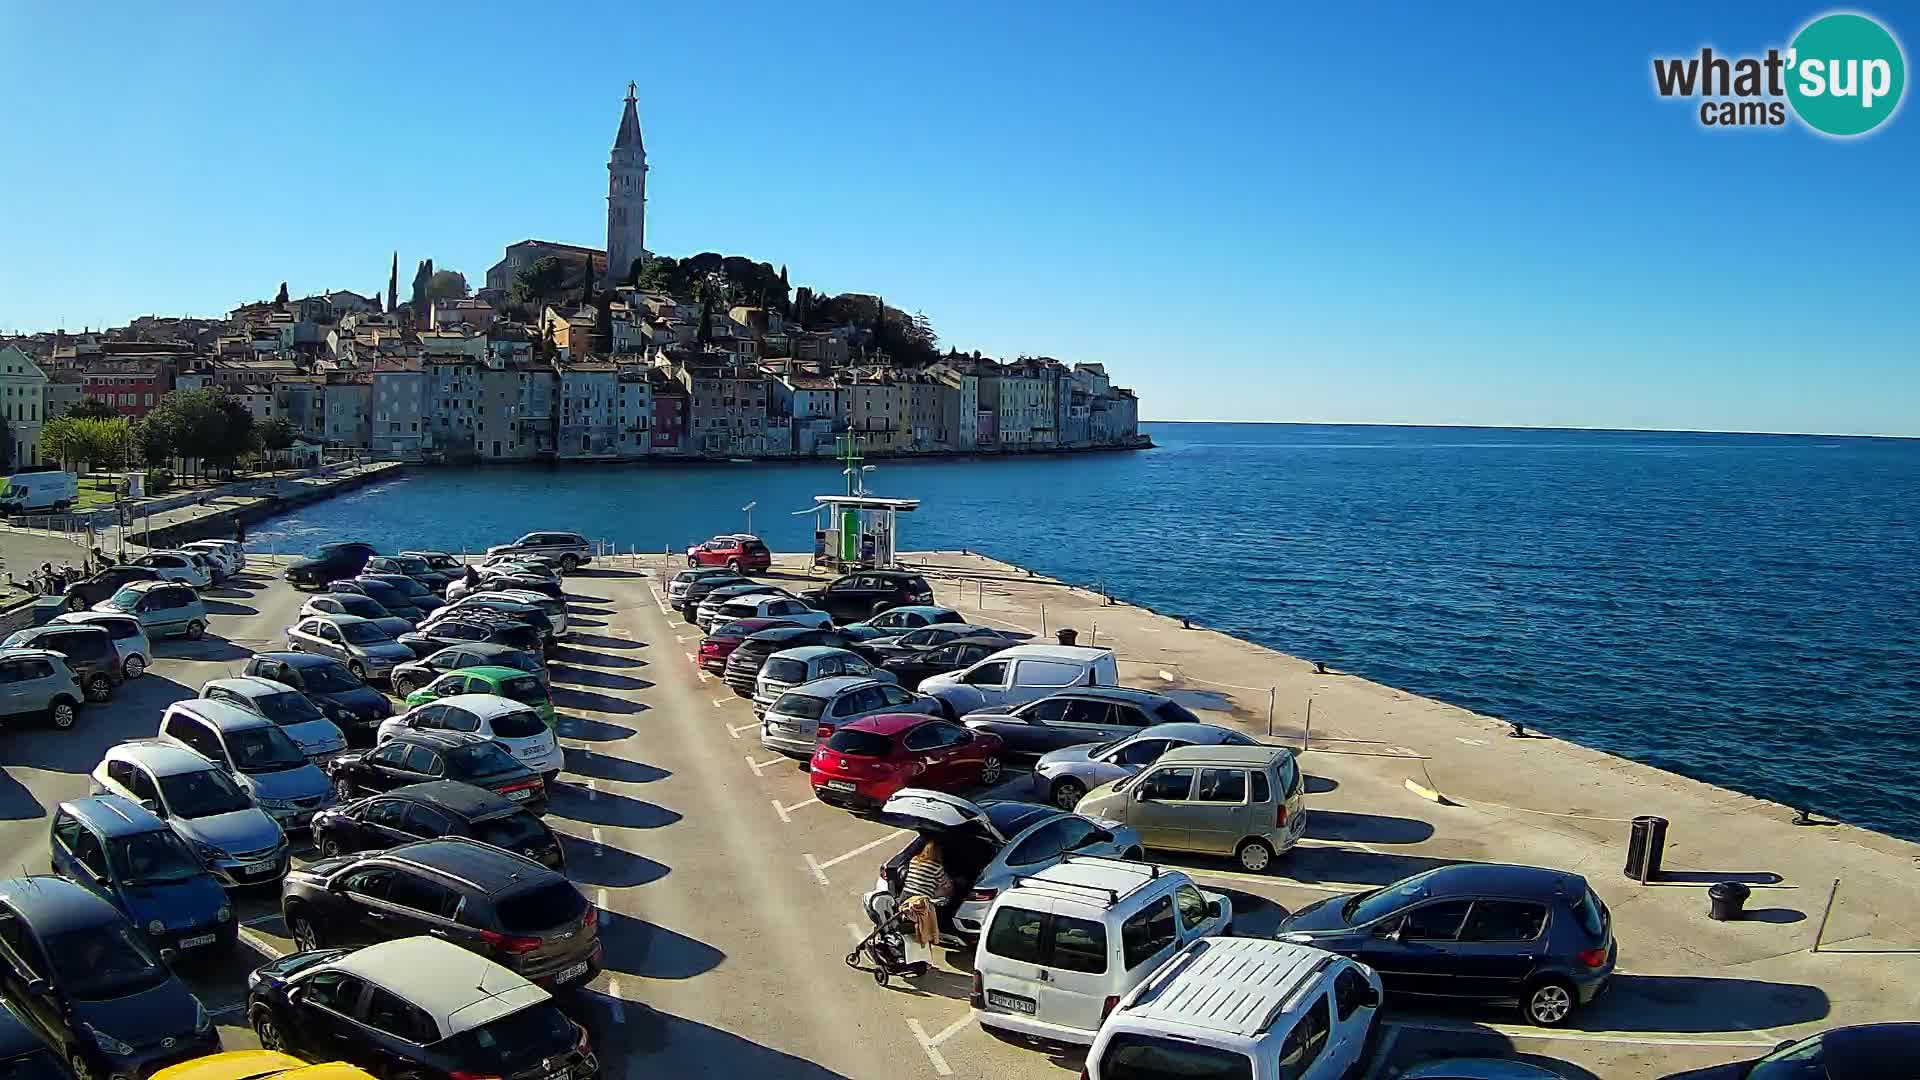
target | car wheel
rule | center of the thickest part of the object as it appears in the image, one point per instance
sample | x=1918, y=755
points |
x=1254, y=856
x=568, y=564
x=77, y=1061
x=196, y=630
x=99, y=688
x=1067, y=792
x=63, y=713
x=1549, y=1003
x=343, y=789
x=135, y=666
x=991, y=770
x=76, y=603
x=403, y=688
x=266, y=1028
x=303, y=933
x=329, y=847
x=692, y=563
x=357, y=669
x=733, y=565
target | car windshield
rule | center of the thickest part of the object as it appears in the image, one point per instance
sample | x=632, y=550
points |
x=411, y=565
x=364, y=606
x=109, y=960
x=154, y=858
x=516, y=1042
x=1367, y=907
x=786, y=671
x=520, y=723
x=287, y=707
x=263, y=750
x=365, y=633
x=202, y=793
x=859, y=743
x=328, y=678
x=125, y=599
x=800, y=705
x=525, y=689
x=479, y=759
x=37, y=1064
x=517, y=831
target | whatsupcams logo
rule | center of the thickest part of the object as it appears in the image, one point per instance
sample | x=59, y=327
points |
x=1842, y=75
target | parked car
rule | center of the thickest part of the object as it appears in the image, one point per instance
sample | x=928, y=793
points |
x=572, y=549
x=342, y=696
x=708, y=612
x=898, y=620
x=1019, y=674
x=234, y=551
x=416, y=757
x=434, y=809
x=490, y=605
x=37, y=683
x=687, y=595
x=164, y=608
x=866, y=593
x=423, y=599
x=514, y=600
x=254, y=750
x=1245, y=801
x=891, y=643
x=792, y=667
x=728, y=635
x=259, y=1065
x=504, y=577
x=238, y=843
x=79, y=971
x=88, y=650
x=119, y=850
x=23, y=1053
x=987, y=846
x=393, y=600
x=367, y=649
x=130, y=640
x=1062, y=777
x=1242, y=1007
x=1855, y=1052
x=864, y=763
x=440, y=561
x=523, y=562
x=415, y=674
x=508, y=684
x=739, y=552
x=1078, y=716
x=464, y=628
x=329, y=563
x=769, y=606
x=914, y=668
x=176, y=566
x=508, y=908
x=82, y=595
x=317, y=737
x=415, y=1007
x=516, y=726
x=742, y=670
x=358, y=605
x=1064, y=945
x=412, y=566
x=809, y=714
x=1478, y=931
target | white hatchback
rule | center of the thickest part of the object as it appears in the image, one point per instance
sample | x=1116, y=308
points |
x=514, y=726
x=176, y=565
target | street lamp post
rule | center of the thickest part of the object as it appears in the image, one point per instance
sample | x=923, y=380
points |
x=749, y=512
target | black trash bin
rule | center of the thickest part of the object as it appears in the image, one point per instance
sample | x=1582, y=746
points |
x=1066, y=635
x=1728, y=898
x=1645, y=844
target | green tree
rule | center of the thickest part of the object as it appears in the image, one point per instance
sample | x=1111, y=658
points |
x=90, y=408
x=448, y=285
x=422, y=277
x=658, y=274
x=273, y=437
x=542, y=282
x=196, y=422
x=705, y=334
x=57, y=440
x=153, y=439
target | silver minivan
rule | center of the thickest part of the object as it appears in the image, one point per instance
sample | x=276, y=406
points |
x=164, y=608
x=260, y=757
x=1244, y=801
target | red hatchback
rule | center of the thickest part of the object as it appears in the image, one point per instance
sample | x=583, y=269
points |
x=740, y=552
x=717, y=646
x=861, y=765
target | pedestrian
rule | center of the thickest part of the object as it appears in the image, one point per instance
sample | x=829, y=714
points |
x=239, y=531
x=923, y=896
x=471, y=577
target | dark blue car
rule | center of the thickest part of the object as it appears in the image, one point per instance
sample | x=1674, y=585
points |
x=77, y=970
x=353, y=706
x=329, y=563
x=122, y=851
x=23, y=1054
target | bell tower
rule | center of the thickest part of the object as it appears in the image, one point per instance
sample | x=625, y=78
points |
x=626, y=196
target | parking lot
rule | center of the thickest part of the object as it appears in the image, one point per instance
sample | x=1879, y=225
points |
x=732, y=895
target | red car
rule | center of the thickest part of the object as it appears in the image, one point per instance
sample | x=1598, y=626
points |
x=863, y=763
x=739, y=552
x=717, y=646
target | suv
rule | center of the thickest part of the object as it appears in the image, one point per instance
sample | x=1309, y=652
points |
x=37, y=682
x=1020, y=674
x=1246, y=801
x=1064, y=776
x=117, y=848
x=469, y=627
x=82, y=595
x=259, y=756
x=344, y=698
x=329, y=563
x=809, y=714
x=317, y=737
x=412, y=566
x=236, y=840
x=571, y=549
x=515, y=600
x=415, y=757
x=435, y=809
x=1076, y=717
x=706, y=611
x=769, y=606
x=164, y=608
x=1263, y=1010
x=89, y=651
x=791, y=667
x=178, y=566
x=129, y=639
x=864, y=593
x=739, y=552
x=504, y=906
x=1477, y=931
x=1063, y=946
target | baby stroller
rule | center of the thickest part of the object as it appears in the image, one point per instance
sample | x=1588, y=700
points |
x=885, y=947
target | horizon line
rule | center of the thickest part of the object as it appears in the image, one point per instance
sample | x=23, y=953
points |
x=1545, y=427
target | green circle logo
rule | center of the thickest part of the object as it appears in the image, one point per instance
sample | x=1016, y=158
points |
x=1845, y=74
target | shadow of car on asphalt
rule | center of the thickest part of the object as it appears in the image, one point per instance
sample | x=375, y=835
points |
x=567, y=655
x=602, y=864
x=567, y=698
x=602, y=641
x=566, y=675
x=568, y=726
x=606, y=767
x=634, y=946
x=606, y=808
x=1354, y=828
x=134, y=713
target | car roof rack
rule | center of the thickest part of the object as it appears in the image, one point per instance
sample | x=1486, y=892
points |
x=1111, y=896
x=1152, y=870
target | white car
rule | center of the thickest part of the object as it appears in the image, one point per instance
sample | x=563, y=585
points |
x=768, y=606
x=1021, y=674
x=129, y=637
x=176, y=565
x=227, y=553
x=509, y=723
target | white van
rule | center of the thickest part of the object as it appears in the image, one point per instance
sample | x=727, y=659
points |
x=1063, y=946
x=1021, y=674
x=51, y=489
x=1243, y=1007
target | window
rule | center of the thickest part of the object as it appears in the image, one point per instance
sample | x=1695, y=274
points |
x=1305, y=1042
x=994, y=674
x=1435, y=922
x=1048, y=673
x=1222, y=786
x=196, y=736
x=421, y=894
x=388, y=1013
x=334, y=990
x=386, y=813
x=1146, y=933
x=1503, y=920
x=422, y=760
x=392, y=755
x=1261, y=790
x=1047, y=841
x=1144, y=752
x=1350, y=992
x=1168, y=785
x=425, y=821
x=142, y=786
x=925, y=737
x=1193, y=906
x=1085, y=712
x=1079, y=945
x=1046, y=711
x=375, y=881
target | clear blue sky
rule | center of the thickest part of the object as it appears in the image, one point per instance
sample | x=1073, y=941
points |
x=1260, y=212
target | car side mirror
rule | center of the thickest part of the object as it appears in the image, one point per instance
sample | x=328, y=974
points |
x=1368, y=998
x=1140, y=795
x=39, y=987
x=153, y=806
x=1398, y=933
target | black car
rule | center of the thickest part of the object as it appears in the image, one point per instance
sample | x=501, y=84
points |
x=864, y=593
x=89, y=651
x=23, y=1054
x=1859, y=1052
x=349, y=702
x=911, y=668
x=414, y=567
x=415, y=674
x=386, y=596
x=506, y=907
x=929, y=637
x=698, y=589
x=1084, y=714
x=416, y=757
x=356, y=603
x=1475, y=931
x=440, y=808
x=745, y=661
x=329, y=563
x=419, y=1008
x=511, y=610
x=418, y=595
x=74, y=967
x=455, y=628
x=82, y=595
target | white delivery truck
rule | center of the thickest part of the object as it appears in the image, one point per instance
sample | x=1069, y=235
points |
x=48, y=489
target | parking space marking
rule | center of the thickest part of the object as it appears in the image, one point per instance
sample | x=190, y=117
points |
x=723, y=702
x=735, y=729
x=262, y=920
x=690, y=659
x=599, y=846
x=932, y=1045
x=756, y=766
x=613, y=998
x=702, y=672
x=238, y=1006
x=260, y=944
x=785, y=812
x=819, y=869
x=682, y=638
x=1580, y=1036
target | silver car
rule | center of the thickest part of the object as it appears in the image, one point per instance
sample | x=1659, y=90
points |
x=555, y=610
x=571, y=549
x=809, y=713
x=38, y=682
x=358, y=605
x=317, y=737
x=1062, y=776
x=361, y=644
x=129, y=637
x=237, y=841
x=164, y=608
x=260, y=757
x=789, y=668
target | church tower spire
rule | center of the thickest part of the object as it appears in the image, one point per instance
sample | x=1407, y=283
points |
x=626, y=195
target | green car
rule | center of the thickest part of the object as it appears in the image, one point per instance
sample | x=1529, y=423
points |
x=510, y=683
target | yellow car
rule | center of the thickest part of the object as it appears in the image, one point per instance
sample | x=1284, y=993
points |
x=259, y=1065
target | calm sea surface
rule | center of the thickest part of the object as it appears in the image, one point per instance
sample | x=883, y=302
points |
x=1743, y=609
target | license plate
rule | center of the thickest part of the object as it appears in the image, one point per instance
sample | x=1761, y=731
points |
x=568, y=975
x=791, y=729
x=840, y=785
x=520, y=796
x=203, y=939
x=1010, y=1003
x=258, y=867
x=528, y=751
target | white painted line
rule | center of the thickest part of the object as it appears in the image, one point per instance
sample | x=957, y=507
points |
x=613, y=999
x=952, y=1029
x=858, y=935
x=1578, y=1036
x=735, y=729
x=722, y=702
x=263, y=920
x=681, y=638
x=861, y=850
x=599, y=847
x=786, y=812
x=261, y=945
x=813, y=867
x=593, y=789
x=600, y=899
x=704, y=677
x=756, y=766
x=690, y=659
x=932, y=1048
